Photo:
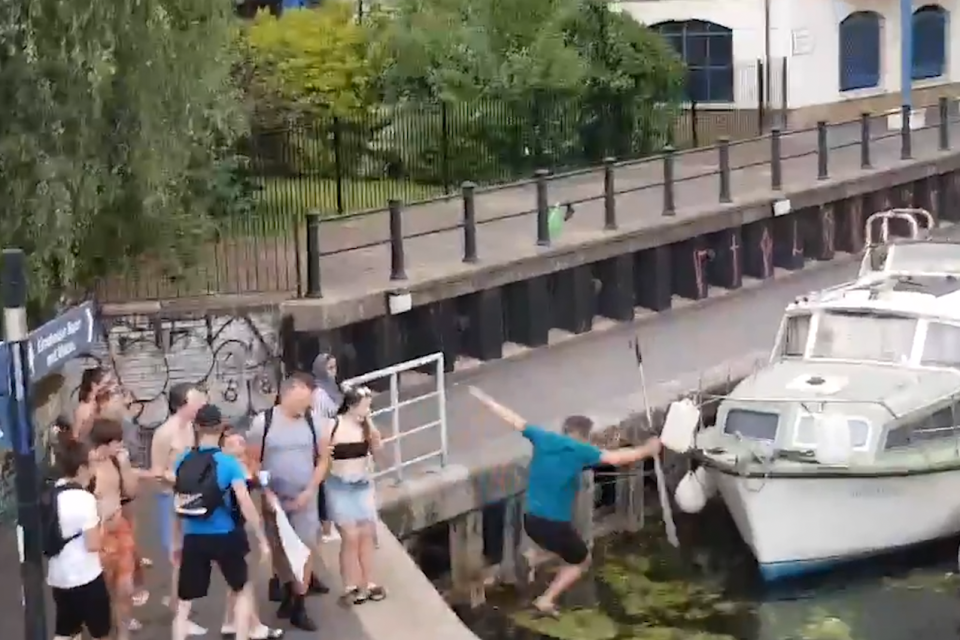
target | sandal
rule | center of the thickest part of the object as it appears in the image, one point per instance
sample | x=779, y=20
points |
x=546, y=612
x=353, y=596
x=376, y=593
x=140, y=598
x=263, y=632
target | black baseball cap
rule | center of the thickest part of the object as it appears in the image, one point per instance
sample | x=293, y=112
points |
x=208, y=416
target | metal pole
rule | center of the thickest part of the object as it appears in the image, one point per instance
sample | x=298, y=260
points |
x=906, y=53
x=723, y=151
x=13, y=289
x=609, y=195
x=469, y=222
x=864, y=140
x=669, y=202
x=314, y=288
x=398, y=261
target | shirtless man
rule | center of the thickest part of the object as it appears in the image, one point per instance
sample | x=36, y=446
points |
x=113, y=478
x=170, y=440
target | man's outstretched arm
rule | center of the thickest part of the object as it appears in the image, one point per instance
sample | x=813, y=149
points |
x=629, y=455
x=507, y=415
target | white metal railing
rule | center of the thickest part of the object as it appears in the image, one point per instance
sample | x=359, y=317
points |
x=398, y=433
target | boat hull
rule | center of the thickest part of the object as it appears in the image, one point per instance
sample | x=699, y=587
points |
x=802, y=525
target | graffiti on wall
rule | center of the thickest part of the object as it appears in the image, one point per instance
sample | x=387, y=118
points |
x=235, y=358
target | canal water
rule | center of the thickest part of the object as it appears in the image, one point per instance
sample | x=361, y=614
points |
x=641, y=588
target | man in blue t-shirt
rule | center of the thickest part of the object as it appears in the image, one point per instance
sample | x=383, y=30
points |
x=219, y=537
x=558, y=461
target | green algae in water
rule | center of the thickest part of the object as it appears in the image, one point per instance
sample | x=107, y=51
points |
x=823, y=626
x=673, y=633
x=577, y=624
x=924, y=580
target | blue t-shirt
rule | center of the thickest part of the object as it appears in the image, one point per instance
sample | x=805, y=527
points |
x=555, y=469
x=229, y=470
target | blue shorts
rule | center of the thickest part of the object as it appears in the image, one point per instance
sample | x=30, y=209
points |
x=165, y=520
x=350, y=502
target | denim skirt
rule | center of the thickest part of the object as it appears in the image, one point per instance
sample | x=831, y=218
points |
x=350, y=501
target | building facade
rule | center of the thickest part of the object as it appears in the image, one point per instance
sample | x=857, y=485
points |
x=841, y=57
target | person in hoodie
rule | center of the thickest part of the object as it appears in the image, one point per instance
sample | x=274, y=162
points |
x=327, y=397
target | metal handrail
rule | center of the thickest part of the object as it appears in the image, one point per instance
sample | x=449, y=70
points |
x=395, y=439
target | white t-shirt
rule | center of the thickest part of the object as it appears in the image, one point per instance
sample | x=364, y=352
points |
x=75, y=565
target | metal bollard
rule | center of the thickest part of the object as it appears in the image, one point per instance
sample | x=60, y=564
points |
x=865, y=141
x=823, y=159
x=468, y=190
x=776, y=160
x=397, y=259
x=723, y=151
x=609, y=195
x=906, y=142
x=669, y=203
x=314, y=289
x=944, y=129
x=543, y=208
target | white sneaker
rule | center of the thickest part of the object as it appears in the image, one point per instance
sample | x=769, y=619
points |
x=333, y=536
x=193, y=629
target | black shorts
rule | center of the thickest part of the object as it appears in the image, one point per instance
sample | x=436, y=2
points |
x=85, y=606
x=556, y=537
x=322, y=504
x=200, y=552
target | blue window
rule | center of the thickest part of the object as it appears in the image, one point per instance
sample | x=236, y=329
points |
x=707, y=50
x=860, y=51
x=929, y=42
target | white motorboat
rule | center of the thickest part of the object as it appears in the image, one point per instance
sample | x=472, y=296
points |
x=847, y=444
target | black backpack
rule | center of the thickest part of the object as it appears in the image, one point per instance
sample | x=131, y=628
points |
x=52, y=531
x=197, y=493
x=268, y=420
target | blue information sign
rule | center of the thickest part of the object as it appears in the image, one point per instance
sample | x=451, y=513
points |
x=69, y=335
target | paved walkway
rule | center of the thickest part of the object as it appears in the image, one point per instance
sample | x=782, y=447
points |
x=433, y=242
x=576, y=376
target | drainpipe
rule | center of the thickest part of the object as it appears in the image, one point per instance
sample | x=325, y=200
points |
x=906, y=52
x=767, y=57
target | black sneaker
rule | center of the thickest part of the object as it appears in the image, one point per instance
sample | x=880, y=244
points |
x=299, y=617
x=316, y=587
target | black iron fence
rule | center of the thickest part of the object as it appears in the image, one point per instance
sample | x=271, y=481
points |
x=419, y=150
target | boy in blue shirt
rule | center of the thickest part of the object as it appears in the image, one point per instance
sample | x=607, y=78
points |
x=555, y=468
x=217, y=537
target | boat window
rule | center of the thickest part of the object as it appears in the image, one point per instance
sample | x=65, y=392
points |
x=754, y=425
x=942, y=346
x=869, y=336
x=930, y=257
x=795, y=335
x=938, y=426
x=806, y=433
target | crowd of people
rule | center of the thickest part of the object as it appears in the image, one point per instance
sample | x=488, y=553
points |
x=306, y=461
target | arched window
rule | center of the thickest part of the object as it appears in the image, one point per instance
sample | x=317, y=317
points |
x=929, y=42
x=707, y=50
x=860, y=51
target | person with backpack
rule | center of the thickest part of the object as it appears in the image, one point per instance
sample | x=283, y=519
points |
x=170, y=440
x=71, y=544
x=212, y=502
x=113, y=482
x=285, y=441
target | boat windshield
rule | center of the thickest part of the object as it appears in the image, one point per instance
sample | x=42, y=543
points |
x=929, y=257
x=794, y=340
x=941, y=348
x=864, y=335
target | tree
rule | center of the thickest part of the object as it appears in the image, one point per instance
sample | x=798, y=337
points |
x=118, y=119
x=319, y=61
x=527, y=84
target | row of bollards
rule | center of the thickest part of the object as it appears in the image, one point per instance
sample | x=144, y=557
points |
x=609, y=195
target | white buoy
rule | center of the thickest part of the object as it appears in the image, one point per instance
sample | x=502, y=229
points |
x=680, y=426
x=694, y=490
x=834, y=442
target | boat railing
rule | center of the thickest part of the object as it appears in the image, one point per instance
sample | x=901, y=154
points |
x=813, y=406
x=877, y=236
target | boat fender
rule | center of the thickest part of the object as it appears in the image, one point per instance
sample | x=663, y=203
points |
x=693, y=491
x=834, y=443
x=680, y=426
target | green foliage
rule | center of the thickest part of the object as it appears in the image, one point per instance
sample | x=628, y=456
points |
x=117, y=119
x=318, y=60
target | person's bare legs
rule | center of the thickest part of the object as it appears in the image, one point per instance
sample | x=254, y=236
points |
x=229, y=611
x=366, y=549
x=565, y=578
x=350, y=572
x=243, y=611
x=181, y=619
